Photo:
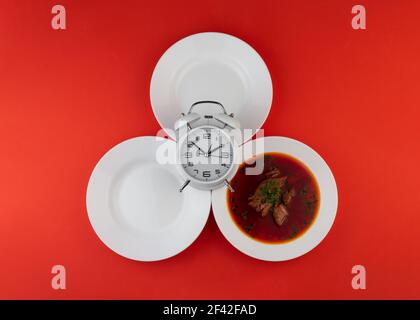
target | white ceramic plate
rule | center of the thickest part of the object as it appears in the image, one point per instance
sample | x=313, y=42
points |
x=211, y=66
x=313, y=236
x=135, y=206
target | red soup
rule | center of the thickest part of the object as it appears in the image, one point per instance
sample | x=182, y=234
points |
x=278, y=205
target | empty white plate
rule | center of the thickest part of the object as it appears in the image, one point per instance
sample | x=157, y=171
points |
x=316, y=232
x=135, y=206
x=212, y=66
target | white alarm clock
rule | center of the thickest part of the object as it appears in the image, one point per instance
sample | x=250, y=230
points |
x=207, y=149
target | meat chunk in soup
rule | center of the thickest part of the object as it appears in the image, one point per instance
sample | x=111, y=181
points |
x=273, y=173
x=267, y=195
x=272, y=197
x=280, y=214
x=288, y=196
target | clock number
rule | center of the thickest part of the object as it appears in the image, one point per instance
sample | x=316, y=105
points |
x=196, y=171
x=217, y=171
x=190, y=164
x=206, y=174
x=207, y=135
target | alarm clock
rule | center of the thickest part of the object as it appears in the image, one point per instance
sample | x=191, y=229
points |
x=207, y=154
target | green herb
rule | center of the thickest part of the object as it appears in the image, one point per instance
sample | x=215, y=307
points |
x=304, y=191
x=248, y=227
x=244, y=215
x=271, y=192
x=309, y=208
x=293, y=235
x=234, y=208
x=308, y=205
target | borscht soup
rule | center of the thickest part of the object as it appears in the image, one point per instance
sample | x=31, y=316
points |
x=278, y=205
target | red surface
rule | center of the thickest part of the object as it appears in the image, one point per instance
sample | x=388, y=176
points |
x=66, y=97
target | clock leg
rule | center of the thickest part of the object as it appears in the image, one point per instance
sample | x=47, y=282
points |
x=186, y=183
x=229, y=186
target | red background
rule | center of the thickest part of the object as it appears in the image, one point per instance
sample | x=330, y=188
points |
x=66, y=97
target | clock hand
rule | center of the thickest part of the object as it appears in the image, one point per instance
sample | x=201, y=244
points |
x=211, y=151
x=198, y=147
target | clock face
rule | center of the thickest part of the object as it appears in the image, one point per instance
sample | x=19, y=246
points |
x=206, y=154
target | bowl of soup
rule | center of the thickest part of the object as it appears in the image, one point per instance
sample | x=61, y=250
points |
x=285, y=209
